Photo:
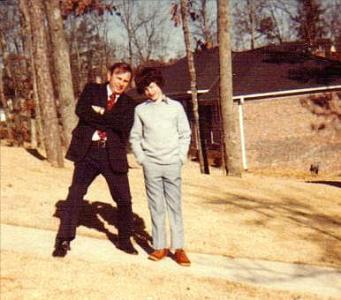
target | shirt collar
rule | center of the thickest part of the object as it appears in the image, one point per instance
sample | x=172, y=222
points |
x=165, y=100
x=109, y=91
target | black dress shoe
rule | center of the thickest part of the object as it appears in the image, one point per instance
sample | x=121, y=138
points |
x=127, y=246
x=61, y=248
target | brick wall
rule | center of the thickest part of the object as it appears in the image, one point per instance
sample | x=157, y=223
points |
x=278, y=134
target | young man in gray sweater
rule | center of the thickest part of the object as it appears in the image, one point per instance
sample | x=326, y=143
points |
x=160, y=139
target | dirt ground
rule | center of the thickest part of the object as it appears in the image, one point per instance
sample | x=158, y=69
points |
x=265, y=216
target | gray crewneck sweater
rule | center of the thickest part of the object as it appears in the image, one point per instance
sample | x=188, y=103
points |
x=161, y=133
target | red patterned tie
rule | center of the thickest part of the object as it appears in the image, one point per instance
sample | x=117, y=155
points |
x=111, y=101
x=110, y=104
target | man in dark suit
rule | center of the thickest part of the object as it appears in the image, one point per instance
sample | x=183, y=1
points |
x=98, y=146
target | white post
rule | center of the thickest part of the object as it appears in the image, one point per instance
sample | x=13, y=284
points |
x=241, y=128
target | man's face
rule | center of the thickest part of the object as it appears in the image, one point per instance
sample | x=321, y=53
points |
x=119, y=81
x=153, y=92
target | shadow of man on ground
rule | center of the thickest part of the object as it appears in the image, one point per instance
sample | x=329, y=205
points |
x=98, y=215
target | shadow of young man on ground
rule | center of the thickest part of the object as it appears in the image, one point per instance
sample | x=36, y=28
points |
x=98, y=215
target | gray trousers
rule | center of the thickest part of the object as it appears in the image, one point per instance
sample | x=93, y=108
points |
x=163, y=188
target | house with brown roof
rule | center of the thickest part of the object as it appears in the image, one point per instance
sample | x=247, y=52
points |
x=269, y=86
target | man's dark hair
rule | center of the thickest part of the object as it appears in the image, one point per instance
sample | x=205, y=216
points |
x=146, y=76
x=122, y=67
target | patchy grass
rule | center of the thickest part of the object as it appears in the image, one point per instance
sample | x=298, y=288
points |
x=273, y=216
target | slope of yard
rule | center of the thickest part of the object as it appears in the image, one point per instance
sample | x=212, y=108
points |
x=257, y=216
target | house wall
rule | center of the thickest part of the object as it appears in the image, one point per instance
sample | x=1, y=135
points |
x=278, y=134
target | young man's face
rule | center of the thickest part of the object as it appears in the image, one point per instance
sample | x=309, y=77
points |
x=119, y=81
x=153, y=92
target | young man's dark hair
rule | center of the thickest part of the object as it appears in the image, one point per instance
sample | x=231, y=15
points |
x=146, y=76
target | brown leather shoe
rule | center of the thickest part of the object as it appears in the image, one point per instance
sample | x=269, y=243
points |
x=158, y=254
x=181, y=257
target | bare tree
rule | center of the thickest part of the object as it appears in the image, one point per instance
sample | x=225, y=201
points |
x=62, y=69
x=11, y=68
x=332, y=18
x=192, y=72
x=37, y=135
x=74, y=42
x=203, y=15
x=247, y=17
x=260, y=22
x=310, y=23
x=53, y=147
x=231, y=158
x=126, y=12
x=105, y=48
x=145, y=29
x=309, y=18
x=6, y=111
x=89, y=46
x=270, y=26
x=11, y=40
x=252, y=15
x=4, y=56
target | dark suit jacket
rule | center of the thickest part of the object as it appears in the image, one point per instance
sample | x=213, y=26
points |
x=117, y=123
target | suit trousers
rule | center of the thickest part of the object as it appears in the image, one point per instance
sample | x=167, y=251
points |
x=163, y=188
x=96, y=162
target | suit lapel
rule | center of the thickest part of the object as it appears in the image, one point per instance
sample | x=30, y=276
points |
x=120, y=102
x=103, y=97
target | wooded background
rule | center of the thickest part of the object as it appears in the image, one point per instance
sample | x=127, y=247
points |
x=50, y=49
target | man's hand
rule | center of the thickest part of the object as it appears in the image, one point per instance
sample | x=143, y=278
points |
x=98, y=109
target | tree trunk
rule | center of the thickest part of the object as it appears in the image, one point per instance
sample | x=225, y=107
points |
x=62, y=68
x=80, y=74
x=53, y=147
x=231, y=157
x=126, y=19
x=191, y=67
x=5, y=54
x=5, y=108
x=9, y=123
x=252, y=21
x=37, y=136
x=206, y=30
